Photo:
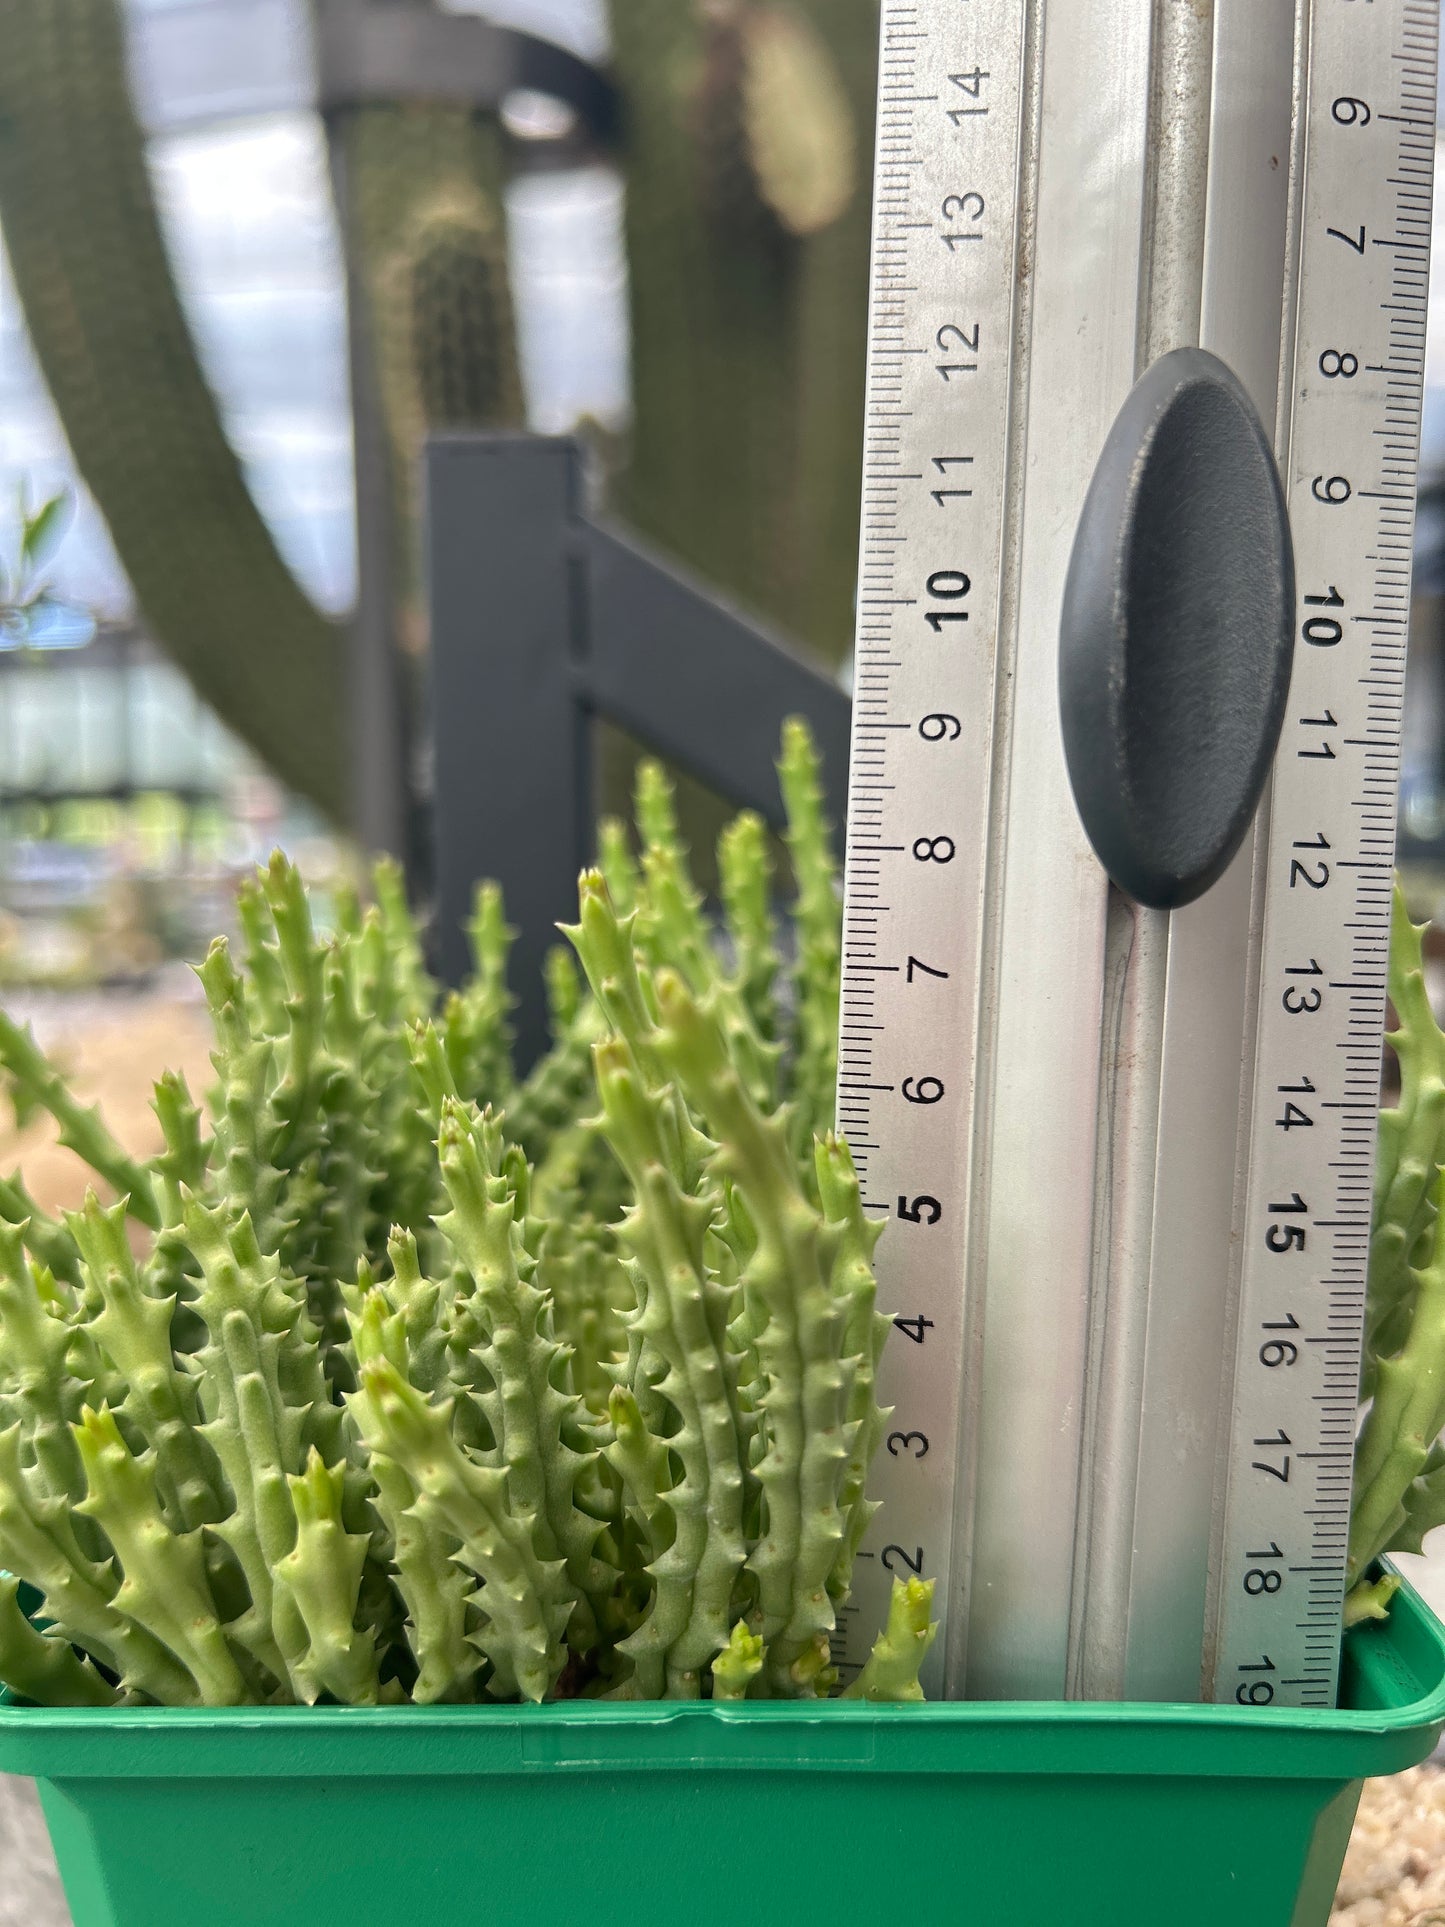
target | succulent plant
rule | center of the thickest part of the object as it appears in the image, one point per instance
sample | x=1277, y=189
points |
x=1399, y=1491
x=392, y=1376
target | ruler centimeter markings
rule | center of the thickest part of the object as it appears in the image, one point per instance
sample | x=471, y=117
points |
x=946, y=392
x=1349, y=472
x=936, y=455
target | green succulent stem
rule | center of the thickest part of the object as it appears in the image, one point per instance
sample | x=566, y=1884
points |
x=891, y=1669
x=165, y=1590
x=323, y=1573
x=682, y=1319
x=523, y=1596
x=737, y=1665
x=806, y=1377
x=81, y=1129
x=41, y=1666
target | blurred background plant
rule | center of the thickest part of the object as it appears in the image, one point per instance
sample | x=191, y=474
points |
x=733, y=178
x=28, y=607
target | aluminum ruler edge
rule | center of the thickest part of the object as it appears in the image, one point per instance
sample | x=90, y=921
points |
x=968, y=320
x=918, y=319
x=1350, y=475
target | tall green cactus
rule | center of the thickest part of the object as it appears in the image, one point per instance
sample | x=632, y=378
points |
x=426, y=230
x=113, y=342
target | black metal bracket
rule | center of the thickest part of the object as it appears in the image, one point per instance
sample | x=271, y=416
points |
x=541, y=619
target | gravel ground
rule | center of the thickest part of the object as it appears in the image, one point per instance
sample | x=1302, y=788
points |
x=30, y=1894
x=1394, y=1873
x=115, y=1047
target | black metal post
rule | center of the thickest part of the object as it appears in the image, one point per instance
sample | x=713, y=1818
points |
x=541, y=619
x=511, y=781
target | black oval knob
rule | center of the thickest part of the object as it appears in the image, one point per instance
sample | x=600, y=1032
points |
x=1177, y=631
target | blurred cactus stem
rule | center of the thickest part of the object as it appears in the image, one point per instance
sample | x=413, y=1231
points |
x=112, y=339
x=748, y=131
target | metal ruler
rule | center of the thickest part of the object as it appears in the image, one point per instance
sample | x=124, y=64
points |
x=1126, y=1152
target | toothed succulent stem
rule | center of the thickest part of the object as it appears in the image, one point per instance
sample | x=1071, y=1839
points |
x=1405, y=1416
x=817, y=917
x=38, y=1544
x=411, y=986
x=382, y=1409
x=564, y=991
x=737, y=1665
x=525, y=1597
x=133, y=1331
x=1370, y=1599
x=258, y=1433
x=50, y=1243
x=165, y=1590
x=434, y=1588
x=322, y=1573
x=1411, y=1145
x=865, y=1332
x=35, y=1372
x=475, y=1032
x=508, y=1324
x=682, y=1318
x=745, y=878
x=891, y=1669
x=617, y=865
x=671, y=929
x=806, y=1382
x=41, y=1666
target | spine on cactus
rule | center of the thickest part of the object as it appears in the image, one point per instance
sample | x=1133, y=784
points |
x=747, y=236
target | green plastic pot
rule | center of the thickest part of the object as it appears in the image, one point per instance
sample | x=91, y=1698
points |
x=1016, y=1815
